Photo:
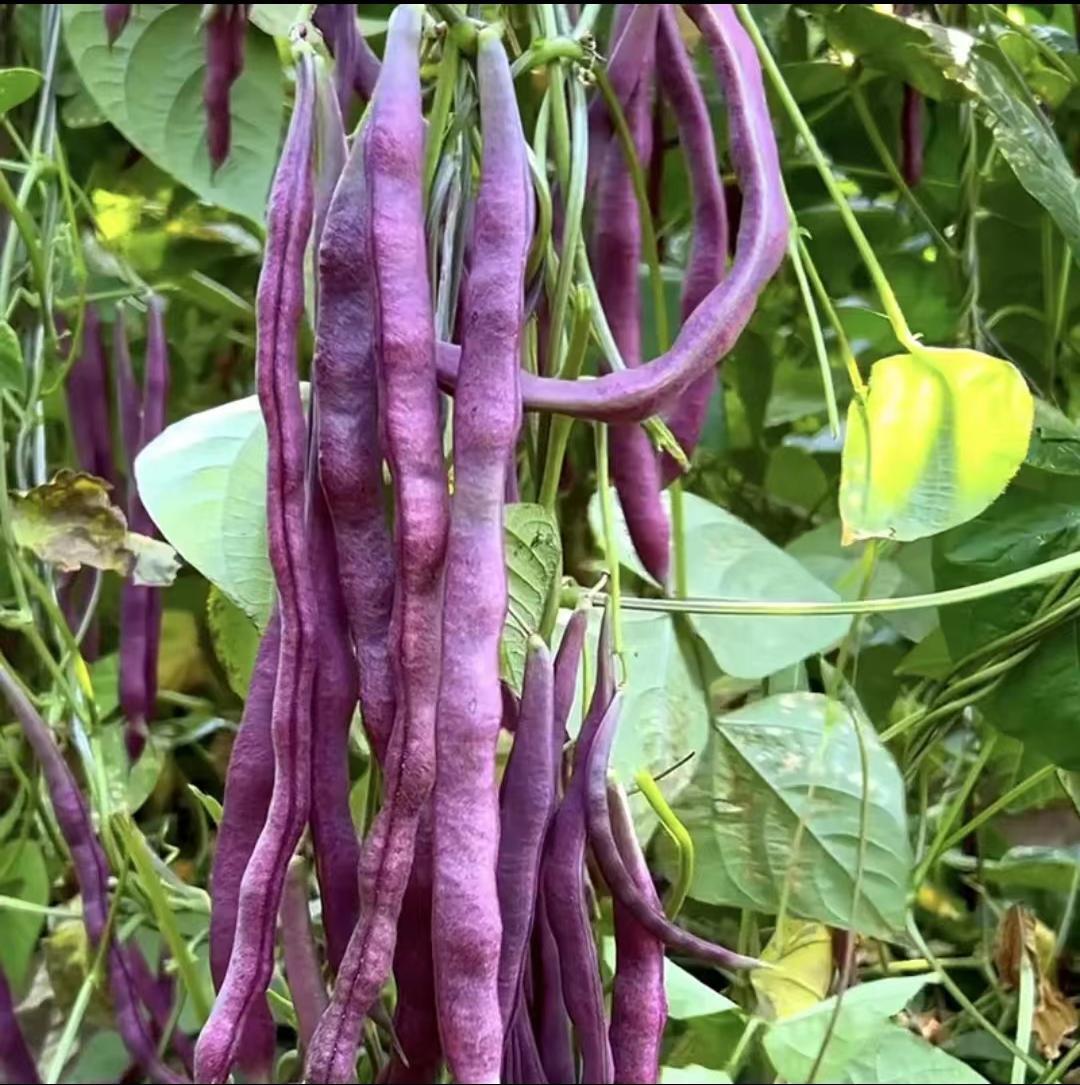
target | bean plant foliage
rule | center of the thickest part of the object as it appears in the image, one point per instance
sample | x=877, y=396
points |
x=540, y=543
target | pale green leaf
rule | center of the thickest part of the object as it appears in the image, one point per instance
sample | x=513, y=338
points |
x=12, y=374
x=938, y=438
x=728, y=559
x=16, y=86
x=692, y=1075
x=786, y=760
x=149, y=85
x=235, y=638
x=22, y=875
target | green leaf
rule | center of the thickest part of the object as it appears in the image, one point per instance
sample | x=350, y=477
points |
x=149, y=85
x=235, y=637
x=275, y=19
x=129, y=785
x=70, y=522
x=784, y=761
x=664, y=715
x=726, y=558
x=675, y=1075
x=863, y=1047
x=938, y=438
x=12, y=374
x=1055, y=441
x=17, y=85
x=23, y=875
x=533, y=564
x=800, y=956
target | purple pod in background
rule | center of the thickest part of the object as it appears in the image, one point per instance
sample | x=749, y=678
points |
x=225, y=30
x=638, y=998
x=550, y=1017
x=709, y=245
x=911, y=136
x=16, y=1062
x=635, y=467
x=116, y=18
x=302, y=971
x=356, y=67
x=567, y=665
x=87, y=392
x=156, y=994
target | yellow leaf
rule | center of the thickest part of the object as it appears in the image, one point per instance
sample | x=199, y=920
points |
x=801, y=954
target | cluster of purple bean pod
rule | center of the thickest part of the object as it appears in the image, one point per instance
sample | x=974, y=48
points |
x=472, y=890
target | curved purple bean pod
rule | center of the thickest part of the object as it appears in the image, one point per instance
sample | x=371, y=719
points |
x=527, y=804
x=551, y=1019
x=640, y=905
x=333, y=836
x=409, y=411
x=92, y=874
x=356, y=67
x=467, y=929
x=525, y=1060
x=302, y=971
x=709, y=332
x=279, y=306
x=116, y=18
x=87, y=391
x=16, y=1062
x=565, y=902
x=249, y=783
x=416, y=1022
x=709, y=245
x=638, y=999
x=349, y=449
x=225, y=31
x=567, y=664
x=635, y=467
x=156, y=994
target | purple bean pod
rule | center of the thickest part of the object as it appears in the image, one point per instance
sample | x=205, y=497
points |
x=565, y=901
x=709, y=246
x=409, y=413
x=631, y=395
x=302, y=970
x=349, y=449
x=638, y=998
x=567, y=664
x=332, y=152
x=333, y=835
x=356, y=67
x=526, y=807
x=467, y=929
x=635, y=467
x=911, y=136
x=279, y=305
x=551, y=1019
x=156, y=994
x=87, y=390
x=525, y=1062
x=641, y=906
x=416, y=1022
x=116, y=18
x=92, y=875
x=16, y=1062
x=249, y=783
x=128, y=398
x=225, y=31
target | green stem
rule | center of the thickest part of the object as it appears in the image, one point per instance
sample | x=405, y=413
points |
x=445, y=85
x=560, y=118
x=678, y=538
x=847, y=355
x=680, y=837
x=862, y=242
x=584, y=25
x=459, y=26
x=547, y=51
x=561, y=424
x=878, y=143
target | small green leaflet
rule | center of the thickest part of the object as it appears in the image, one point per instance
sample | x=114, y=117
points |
x=12, y=375
x=17, y=85
x=937, y=439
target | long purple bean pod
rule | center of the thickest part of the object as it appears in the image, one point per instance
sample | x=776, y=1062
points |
x=116, y=18
x=156, y=994
x=356, y=67
x=16, y=1062
x=279, y=307
x=564, y=890
x=638, y=998
x=128, y=398
x=467, y=927
x=350, y=454
x=416, y=1022
x=551, y=1019
x=911, y=136
x=141, y=607
x=567, y=665
x=332, y=152
x=87, y=390
x=409, y=416
x=333, y=835
x=635, y=467
x=642, y=906
x=709, y=245
x=249, y=783
x=225, y=31
x=709, y=332
x=92, y=874
x=302, y=971
x=526, y=807
x=526, y=1055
